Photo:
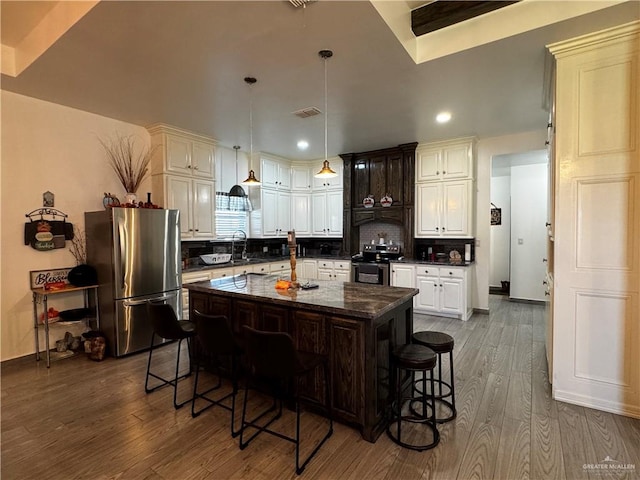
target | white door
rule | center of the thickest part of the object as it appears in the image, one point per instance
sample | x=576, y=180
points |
x=179, y=197
x=319, y=213
x=202, y=159
x=334, y=213
x=428, y=209
x=203, y=209
x=456, y=161
x=428, y=165
x=300, y=178
x=284, y=176
x=451, y=295
x=403, y=275
x=283, y=213
x=429, y=296
x=269, y=173
x=341, y=275
x=178, y=155
x=309, y=269
x=269, y=212
x=325, y=273
x=455, y=201
x=300, y=214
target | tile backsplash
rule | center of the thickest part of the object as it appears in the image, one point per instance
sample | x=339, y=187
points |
x=372, y=231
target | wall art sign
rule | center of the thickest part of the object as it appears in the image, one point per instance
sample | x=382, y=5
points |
x=47, y=229
x=43, y=278
x=496, y=215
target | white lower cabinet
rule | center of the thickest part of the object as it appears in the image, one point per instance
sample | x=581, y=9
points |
x=337, y=270
x=308, y=269
x=403, y=275
x=282, y=268
x=443, y=290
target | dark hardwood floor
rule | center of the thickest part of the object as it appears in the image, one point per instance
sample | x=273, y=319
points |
x=92, y=420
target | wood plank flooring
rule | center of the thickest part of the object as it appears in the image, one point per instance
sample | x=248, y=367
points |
x=92, y=420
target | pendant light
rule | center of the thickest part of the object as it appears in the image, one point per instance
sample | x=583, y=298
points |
x=238, y=191
x=326, y=171
x=251, y=179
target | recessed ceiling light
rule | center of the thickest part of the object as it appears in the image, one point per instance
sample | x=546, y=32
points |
x=443, y=117
x=303, y=144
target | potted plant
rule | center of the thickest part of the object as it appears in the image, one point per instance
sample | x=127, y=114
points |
x=130, y=163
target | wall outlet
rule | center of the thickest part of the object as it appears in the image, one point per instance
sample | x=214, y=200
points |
x=265, y=249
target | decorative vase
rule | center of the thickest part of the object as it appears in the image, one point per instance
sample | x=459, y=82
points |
x=131, y=197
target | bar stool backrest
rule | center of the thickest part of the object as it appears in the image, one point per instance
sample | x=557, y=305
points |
x=214, y=334
x=164, y=321
x=271, y=355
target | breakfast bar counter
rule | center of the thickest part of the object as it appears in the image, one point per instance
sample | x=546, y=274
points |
x=354, y=325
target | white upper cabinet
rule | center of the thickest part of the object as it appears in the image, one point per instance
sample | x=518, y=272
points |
x=182, y=153
x=445, y=160
x=334, y=183
x=300, y=178
x=300, y=214
x=444, y=209
x=275, y=173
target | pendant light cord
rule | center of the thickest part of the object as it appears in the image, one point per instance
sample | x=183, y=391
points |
x=326, y=113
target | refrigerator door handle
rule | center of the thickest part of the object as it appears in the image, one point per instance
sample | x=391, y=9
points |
x=131, y=303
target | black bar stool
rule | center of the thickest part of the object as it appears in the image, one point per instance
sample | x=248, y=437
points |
x=440, y=343
x=216, y=347
x=276, y=367
x=166, y=325
x=413, y=358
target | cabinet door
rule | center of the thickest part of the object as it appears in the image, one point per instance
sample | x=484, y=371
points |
x=455, y=202
x=283, y=213
x=360, y=182
x=428, y=164
x=342, y=275
x=395, y=178
x=452, y=295
x=319, y=214
x=428, y=197
x=300, y=178
x=325, y=273
x=378, y=177
x=346, y=360
x=269, y=212
x=403, y=275
x=300, y=215
x=269, y=173
x=178, y=155
x=179, y=197
x=284, y=176
x=456, y=161
x=310, y=335
x=334, y=213
x=202, y=160
x=203, y=209
x=274, y=319
x=429, y=296
x=309, y=269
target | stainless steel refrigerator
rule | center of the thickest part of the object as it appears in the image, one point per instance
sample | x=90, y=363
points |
x=136, y=253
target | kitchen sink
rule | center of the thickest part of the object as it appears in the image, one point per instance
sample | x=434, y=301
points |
x=215, y=258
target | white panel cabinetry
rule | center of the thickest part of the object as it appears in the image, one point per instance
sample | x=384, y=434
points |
x=596, y=271
x=182, y=171
x=444, y=188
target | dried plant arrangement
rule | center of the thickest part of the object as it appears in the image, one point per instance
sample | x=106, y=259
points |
x=130, y=165
x=78, y=246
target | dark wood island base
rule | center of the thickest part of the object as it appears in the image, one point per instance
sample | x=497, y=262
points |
x=353, y=324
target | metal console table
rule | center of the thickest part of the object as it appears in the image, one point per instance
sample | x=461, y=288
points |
x=40, y=295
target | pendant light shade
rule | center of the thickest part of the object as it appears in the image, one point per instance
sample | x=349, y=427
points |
x=251, y=179
x=326, y=171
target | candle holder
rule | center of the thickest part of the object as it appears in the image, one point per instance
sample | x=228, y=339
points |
x=291, y=238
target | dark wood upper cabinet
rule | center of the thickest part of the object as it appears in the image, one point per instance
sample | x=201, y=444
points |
x=378, y=173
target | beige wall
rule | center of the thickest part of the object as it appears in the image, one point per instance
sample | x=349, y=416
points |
x=46, y=147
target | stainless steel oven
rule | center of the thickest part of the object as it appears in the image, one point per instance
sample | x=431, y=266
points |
x=372, y=273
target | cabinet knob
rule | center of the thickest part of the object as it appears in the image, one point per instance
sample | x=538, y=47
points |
x=443, y=229
x=440, y=285
x=437, y=229
x=195, y=168
x=437, y=172
x=544, y=282
x=546, y=294
x=450, y=273
x=197, y=229
x=444, y=172
x=547, y=224
x=188, y=166
x=546, y=142
x=544, y=260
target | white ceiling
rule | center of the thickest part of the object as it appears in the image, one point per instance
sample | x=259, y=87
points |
x=183, y=63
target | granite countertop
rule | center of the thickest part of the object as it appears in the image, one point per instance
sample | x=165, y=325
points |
x=353, y=299
x=439, y=264
x=259, y=260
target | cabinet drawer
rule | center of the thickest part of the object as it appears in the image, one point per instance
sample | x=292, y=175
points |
x=325, y=264
x=278, y=267
x=263, y=268
x=427, y=270
x=342, y=265
x=451, y=272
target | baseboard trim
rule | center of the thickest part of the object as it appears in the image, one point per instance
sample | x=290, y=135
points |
x=481, y=311
x=524, y=300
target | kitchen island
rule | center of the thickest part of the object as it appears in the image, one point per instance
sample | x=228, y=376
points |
x=354, y=325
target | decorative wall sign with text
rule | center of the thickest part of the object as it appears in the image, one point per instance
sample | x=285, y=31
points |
x=41, y=278
x=496, y=215
x=47, y=229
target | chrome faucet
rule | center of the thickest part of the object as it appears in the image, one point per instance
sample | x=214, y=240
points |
x=239, y=235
